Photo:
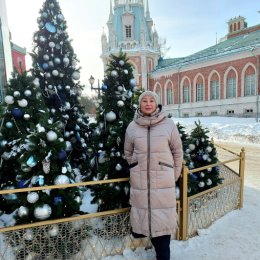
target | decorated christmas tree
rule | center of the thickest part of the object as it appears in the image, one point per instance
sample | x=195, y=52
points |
x=199, y=153
x=55, y=67
x=32, y=154
x=114, y=113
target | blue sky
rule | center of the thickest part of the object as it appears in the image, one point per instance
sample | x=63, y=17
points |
x=187, y=25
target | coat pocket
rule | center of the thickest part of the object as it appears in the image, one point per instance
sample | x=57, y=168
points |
x=165, y=164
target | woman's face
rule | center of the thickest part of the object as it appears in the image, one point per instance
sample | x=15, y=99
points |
x=148, y=105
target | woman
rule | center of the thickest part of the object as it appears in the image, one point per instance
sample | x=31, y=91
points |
x=153, y=150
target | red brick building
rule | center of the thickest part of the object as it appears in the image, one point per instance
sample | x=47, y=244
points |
x=220, y=80
x=18, y=55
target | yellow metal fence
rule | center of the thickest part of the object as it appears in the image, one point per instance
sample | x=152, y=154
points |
x=96, y=235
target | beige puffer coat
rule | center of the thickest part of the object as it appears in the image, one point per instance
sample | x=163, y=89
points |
x=153, y=150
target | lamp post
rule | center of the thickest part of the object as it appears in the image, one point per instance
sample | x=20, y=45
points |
x=91, y=82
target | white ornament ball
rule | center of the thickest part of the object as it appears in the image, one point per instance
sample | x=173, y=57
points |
x=44, y=15
x=28, y=235
x=201, y=184
x=66, y=61
x=42, y=212
x=121, y=63
x=51, y=136
x=46, y=57
x=67, y=87
x=118, y=167
x=42, y=39
x=67, y=105
x=209, y=182
x=9, y=100
x=61, y=179
x=120, y=88
x=36, y=82
x=120, y=103
x=76, y=75
x=51, y=44
x=114, y=73
x=68, y=146
x=205, y=157
x=17, y=94
x=22, y=103
x=192, y=147
x=126, y=72
x=132, y=82
x=209, y=149
x=110, y=116
x=54, y=230
x=32, y=197
x=60, y=17
x=27, y=93
x=55, y=73
x=57, y=60
x=51, y=64
x=23, y=211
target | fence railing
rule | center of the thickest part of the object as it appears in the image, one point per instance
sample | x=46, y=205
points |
x=96, y=235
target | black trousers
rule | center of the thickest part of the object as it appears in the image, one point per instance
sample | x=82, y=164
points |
x=161, y=245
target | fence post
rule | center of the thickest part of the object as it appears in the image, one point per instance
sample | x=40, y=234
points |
x=184, y=203
x=241, y=175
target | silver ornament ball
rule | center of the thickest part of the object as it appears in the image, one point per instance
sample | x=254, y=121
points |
x=42, y=212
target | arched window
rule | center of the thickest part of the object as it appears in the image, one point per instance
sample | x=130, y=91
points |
x=231, y=87
x=186, y=93
x=199, y=92
x=250, y=85
x=214, y=89
x=169, y=93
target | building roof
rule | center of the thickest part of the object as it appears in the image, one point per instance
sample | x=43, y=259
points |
x=232, y=45
x=18, y=48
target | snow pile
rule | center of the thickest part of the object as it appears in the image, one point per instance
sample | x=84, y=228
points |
x=233, y=129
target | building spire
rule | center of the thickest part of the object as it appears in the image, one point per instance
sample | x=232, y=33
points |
x=111, y=11
x=147, y=14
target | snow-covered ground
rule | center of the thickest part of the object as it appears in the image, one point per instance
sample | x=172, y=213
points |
x=236, y=235
x=232, y=129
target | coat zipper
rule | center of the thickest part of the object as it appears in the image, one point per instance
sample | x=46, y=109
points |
x=148, y=182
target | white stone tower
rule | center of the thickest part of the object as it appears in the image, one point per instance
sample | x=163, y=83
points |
x=130, y=29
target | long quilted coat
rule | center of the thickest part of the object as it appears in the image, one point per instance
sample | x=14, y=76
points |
x=153, y=150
